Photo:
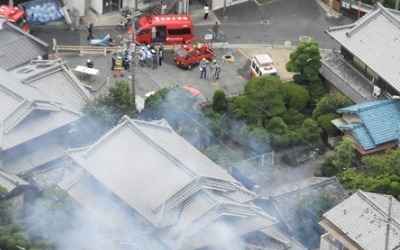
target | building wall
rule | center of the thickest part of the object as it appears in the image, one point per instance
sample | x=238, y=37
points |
x=78, y=5
x=219, y=4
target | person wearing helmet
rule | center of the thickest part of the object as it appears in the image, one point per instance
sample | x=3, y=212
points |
x=203, y=68
x=118, y=67
x=89, y=63
x=216, y=69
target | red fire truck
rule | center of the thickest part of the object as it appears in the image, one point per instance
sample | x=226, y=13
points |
x=167, y=29
x=192, y=52
x=16, y=15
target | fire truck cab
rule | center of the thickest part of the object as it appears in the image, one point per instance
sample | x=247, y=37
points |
x=15, y=15
x=262, y=65
x=192, y=52
x=166, y=29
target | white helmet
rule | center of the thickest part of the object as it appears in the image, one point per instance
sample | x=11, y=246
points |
x=88, y=60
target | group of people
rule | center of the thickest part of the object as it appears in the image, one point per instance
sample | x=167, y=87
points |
x=150, y=56
x=214, y=67
x=120, y=64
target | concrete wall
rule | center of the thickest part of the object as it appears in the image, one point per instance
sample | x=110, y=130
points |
x=77, y=5
x=97, y=6
x=219, y=4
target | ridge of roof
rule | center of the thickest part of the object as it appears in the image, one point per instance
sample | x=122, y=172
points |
x=19, y=30
x=324, y=181
x=378, y=9
x=366, y=105
x=15, y=88
x=127, y=121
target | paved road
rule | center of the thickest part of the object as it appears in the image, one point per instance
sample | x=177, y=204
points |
x=247, y=23
x=273, y=22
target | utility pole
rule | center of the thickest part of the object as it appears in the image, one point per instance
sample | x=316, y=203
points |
x=133, y=55
x=11, y=3
x=389, y=220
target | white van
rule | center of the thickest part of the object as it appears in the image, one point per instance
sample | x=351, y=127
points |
x=262, y=65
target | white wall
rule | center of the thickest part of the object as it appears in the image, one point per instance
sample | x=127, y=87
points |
x=79, y=5
x=219, y=4
x=97, y=6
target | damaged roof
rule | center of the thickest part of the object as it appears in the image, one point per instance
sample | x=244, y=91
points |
x=286, y=197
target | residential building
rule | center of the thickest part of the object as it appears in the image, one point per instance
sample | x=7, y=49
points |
x=40, y=102
x=365, y=68
x=364, y=221
x=282, y=201
x=175, y=192
x=373, y=126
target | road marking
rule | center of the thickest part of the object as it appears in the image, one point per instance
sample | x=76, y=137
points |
x=261, y=4
x=243, y=54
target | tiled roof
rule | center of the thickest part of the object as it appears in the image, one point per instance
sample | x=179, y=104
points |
x=11, y=181
x=18, y=47
x=171, y=184
x=287, y=197
x=362, y=218
x=53, y=79
x=380, y=122
x=28, y=160
x=40, y=97
x=375, y=40
x=346, y=78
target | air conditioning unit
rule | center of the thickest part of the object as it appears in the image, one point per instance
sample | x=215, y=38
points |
x=377, y=91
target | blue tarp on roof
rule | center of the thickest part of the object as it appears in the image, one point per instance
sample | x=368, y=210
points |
x=380, y=122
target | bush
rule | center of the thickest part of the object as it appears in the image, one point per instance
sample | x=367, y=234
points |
x=219, y=103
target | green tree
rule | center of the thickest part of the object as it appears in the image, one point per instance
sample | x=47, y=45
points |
x=325, y=122
x=306, y=61
x=172, y=104
x=293, y=117
x=263, y=99
x=387, y=163
x=345, y=154
x=110, y=107
x=219, y=103
x=104, y=112
x=330, y=103
x=296, y=96
x=309, y=131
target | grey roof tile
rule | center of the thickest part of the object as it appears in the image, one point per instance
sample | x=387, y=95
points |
x=11, y=181
x=362, y=217
x=18, y=47
x=375, y=40
x=346, y=78
x=28, y=160
x=182, y=197
x=289, y=196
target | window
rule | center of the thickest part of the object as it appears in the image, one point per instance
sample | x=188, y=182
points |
x=144, y=32
x=176, y=32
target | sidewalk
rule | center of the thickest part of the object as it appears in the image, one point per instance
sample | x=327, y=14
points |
x=112, y=19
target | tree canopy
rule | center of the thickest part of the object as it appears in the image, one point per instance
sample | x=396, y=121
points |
x=104, y=112
x=306, y=61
